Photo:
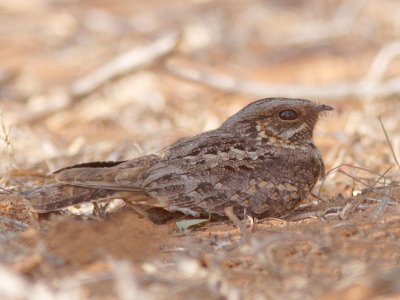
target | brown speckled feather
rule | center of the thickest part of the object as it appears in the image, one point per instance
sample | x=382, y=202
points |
x=261, y=160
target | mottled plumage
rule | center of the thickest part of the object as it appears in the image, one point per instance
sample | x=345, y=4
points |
x=261, y=160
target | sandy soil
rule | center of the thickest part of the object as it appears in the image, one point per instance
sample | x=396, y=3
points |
x=56, y=112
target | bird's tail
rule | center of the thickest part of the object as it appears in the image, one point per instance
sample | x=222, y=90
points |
x=57, y=196
x=90, y=182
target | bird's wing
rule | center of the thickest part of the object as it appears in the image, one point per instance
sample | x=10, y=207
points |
x=129, y=175
x=207, y=142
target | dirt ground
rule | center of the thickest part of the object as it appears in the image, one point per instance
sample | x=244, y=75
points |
x=103, y=80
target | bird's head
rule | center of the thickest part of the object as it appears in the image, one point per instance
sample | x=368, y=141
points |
x=289, y=120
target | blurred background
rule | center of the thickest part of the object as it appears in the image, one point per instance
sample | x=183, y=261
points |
x=107, y=80
x=111, y=80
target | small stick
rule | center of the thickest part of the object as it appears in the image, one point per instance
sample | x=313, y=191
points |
x=376, y=181
x=382, y=61
x=366, y=184
x=388, y=140
x=234, y=219
x=124, y=63
x=382, y=207
x=351, y=166
x=306, y=215
x=14, y=222
x=370, y=85
x=232, y=84
x=380, y=201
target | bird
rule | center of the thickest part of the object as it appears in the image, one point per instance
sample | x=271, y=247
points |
x=262, y=161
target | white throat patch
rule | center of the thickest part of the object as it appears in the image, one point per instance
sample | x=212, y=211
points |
x=287, y=134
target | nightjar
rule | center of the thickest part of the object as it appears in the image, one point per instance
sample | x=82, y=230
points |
x=262, y=160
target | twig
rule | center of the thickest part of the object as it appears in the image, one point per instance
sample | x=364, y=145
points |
x=233, y=84
x=260, y=89
x=382, y=60
x=356, y=167
x=380, y=201
x=14, y=222
x=316, y=31
x=382, y=207
x=359, y=89
x=124, y=63
x=353, y=206
x=390, y=144
x=234, y=219
x=305, y=215
x=363, y=183
x=347, y=12
x=377, y=181
x=349, y=207
x=4, y=191
x=7, y=147
x=337, y=168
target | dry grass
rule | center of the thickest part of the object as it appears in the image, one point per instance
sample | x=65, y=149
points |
x=98, y=80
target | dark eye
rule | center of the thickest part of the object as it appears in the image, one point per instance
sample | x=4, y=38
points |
x=288, y=115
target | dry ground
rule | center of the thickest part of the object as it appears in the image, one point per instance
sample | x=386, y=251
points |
x=109, y=80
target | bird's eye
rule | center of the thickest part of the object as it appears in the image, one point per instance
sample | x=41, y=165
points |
x=288, y=115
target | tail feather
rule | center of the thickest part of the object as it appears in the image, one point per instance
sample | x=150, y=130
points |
x=57, y=196
x=90, y=182
x=118, y=176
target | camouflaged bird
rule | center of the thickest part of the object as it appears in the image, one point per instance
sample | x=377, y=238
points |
x=261, y=161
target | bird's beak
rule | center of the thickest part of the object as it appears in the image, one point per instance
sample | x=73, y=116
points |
x=323, y=107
